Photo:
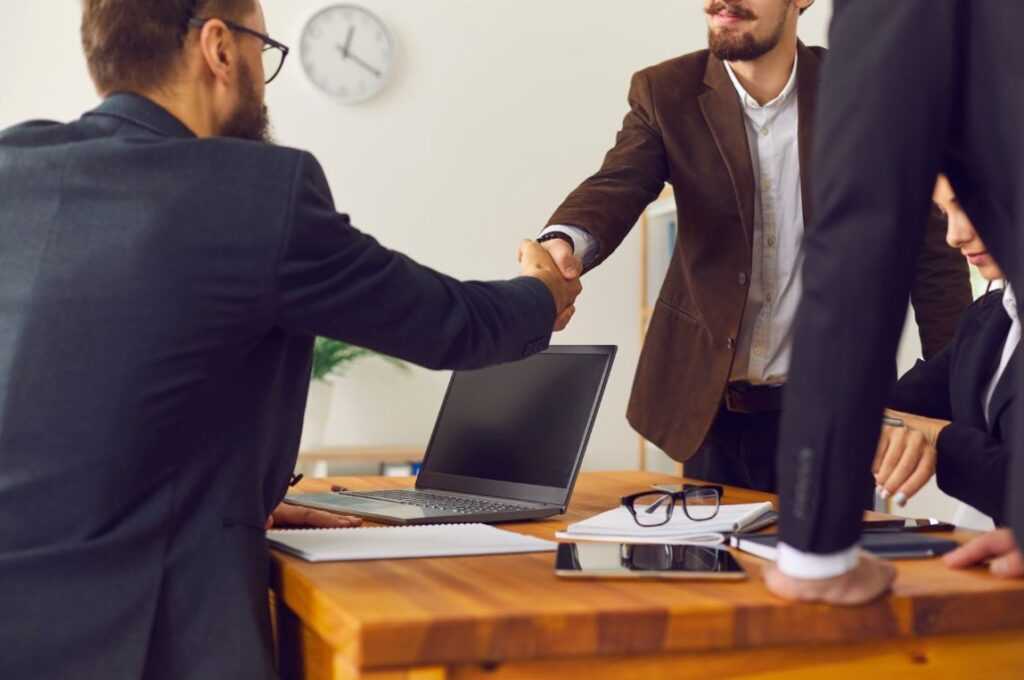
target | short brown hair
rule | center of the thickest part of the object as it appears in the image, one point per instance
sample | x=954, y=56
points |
x=133, y=44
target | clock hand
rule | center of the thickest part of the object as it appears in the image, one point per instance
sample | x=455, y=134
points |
x=348, y=41
x=365, y=65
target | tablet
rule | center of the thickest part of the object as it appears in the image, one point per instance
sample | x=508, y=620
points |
x=886, y=545
x=647, y=561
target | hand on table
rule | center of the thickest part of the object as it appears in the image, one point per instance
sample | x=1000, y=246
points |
x=1007, y=560
x=537, y=262
x=869, y=580
x=906, y=456
x=296, y=516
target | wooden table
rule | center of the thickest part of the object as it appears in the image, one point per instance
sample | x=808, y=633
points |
x=509, y=616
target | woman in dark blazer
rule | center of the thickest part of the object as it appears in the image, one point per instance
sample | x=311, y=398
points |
x=949, y=415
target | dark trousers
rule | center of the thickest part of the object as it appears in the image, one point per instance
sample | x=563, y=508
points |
x=739, y=451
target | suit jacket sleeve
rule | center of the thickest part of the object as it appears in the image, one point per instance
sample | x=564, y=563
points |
x=881, y=127
x=973, y=466
x=942, y=288
x=332, y=280
x=924, y=389
x=608, y=204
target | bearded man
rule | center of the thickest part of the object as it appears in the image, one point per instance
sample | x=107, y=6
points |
x=163, y=272
x=731, y=129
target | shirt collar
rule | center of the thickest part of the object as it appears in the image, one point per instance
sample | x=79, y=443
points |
x=1010, y=303
x=749, y=101
x=143, y=112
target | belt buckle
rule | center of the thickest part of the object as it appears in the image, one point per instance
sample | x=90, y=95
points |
x=747, y=398
x=734, y=397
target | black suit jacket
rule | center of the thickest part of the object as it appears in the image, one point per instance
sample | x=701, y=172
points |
x=973, y=455
x=159, y=295
x=911, y=88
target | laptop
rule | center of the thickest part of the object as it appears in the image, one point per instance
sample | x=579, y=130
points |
x=507, y=445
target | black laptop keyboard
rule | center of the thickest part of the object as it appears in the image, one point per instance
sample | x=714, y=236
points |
x=453, y=504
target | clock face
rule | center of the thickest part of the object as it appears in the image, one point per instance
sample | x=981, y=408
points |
x=346, y=51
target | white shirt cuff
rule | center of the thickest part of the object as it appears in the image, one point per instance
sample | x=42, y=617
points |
x=799, y=564
x=584, y=246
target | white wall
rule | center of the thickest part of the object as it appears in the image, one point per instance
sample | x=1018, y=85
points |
x=499, y=108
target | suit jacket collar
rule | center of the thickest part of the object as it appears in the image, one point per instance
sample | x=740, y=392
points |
x=1004, y=393
x=724, y=115
x=980, y=351
x=143, y=112
x=1005, y=389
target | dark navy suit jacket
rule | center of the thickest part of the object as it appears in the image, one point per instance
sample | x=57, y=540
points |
x=973, y=454
x=159, y=295
x=910, y=89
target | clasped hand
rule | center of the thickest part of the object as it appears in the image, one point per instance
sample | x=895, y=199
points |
x=547, y=263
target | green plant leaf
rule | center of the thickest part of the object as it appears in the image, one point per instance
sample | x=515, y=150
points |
x=333, y=357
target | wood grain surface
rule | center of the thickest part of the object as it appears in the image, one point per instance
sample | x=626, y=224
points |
x=494, y=615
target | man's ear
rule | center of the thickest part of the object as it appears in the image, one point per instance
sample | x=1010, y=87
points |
x=217, y=46
x=803, y=5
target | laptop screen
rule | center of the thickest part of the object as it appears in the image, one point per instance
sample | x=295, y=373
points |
x=525, y=422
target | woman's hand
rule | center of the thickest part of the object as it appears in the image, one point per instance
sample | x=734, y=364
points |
x=999, y=546
x=931, y=428
x=906, y=455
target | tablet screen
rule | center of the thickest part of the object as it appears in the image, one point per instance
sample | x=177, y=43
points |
x=619, y=560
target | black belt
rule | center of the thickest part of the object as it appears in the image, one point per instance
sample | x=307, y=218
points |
x=744, y=397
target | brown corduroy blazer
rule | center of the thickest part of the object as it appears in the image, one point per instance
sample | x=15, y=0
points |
x=686, y=127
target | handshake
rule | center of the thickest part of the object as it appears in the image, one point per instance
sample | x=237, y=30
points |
x=554, y=263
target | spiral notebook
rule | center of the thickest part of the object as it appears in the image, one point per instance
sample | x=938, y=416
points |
x=391, y=543
x=618, y=526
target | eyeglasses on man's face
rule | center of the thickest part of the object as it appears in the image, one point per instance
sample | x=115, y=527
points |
x=274, y=53
x=655, y=508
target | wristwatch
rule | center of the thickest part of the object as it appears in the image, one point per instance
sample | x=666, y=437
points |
x=559, y=235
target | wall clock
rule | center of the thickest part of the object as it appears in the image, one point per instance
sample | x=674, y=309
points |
x=346, y=51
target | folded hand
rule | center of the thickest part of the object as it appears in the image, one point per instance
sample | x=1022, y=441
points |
x=537, y=262
x=870, y=579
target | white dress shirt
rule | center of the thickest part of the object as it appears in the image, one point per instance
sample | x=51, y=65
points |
x=765, y=337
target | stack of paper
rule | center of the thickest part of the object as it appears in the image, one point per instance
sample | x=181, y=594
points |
x=618, y=526
x=378, y=543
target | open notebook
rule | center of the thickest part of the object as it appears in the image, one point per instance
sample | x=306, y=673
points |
x=381, y=543
x=618, y=526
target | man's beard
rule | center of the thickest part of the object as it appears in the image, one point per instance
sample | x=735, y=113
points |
x=252, y=119
x=730, y=45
